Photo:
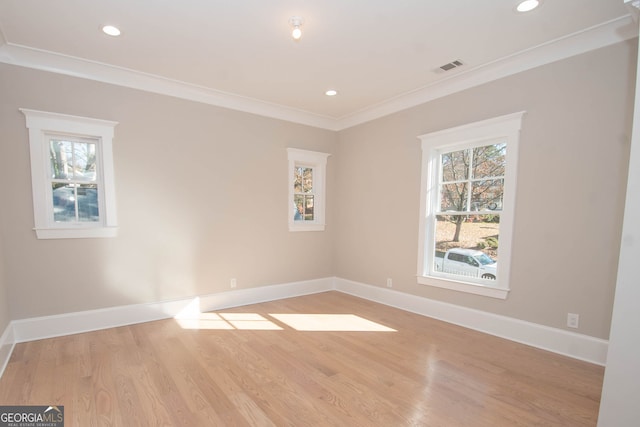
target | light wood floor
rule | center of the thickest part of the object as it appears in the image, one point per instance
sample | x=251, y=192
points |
x=238, y=372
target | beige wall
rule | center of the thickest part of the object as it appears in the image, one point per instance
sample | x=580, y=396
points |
x=201, y=198
x=570, y=194
x=201, y=194
x=4, y=303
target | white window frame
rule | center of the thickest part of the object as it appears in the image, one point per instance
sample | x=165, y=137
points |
x=318, y=162
x=486, y=132
x=42, y=126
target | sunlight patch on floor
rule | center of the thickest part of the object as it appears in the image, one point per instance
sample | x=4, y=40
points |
x=222, y=321
x=203, y=321
x=190, y=317
x=250, y=321
x=330, y=322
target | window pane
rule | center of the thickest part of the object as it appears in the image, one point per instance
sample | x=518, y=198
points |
x=87, y=195
x=453, y=197
x=71, y=198
x=303, y=180
x=61, y=154
x=72, y=160
x=64, y=202
x=455, y=165
x=298, y=201
x=489, y=161
x=487, y=195
x=304, y=208
x=307, y=185
x=471, y=242
x=297, y=180
x=84, y=161
x=308, y=208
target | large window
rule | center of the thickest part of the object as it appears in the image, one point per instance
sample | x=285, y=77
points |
x=72, y=175
x=306, y=190
x=467, y=203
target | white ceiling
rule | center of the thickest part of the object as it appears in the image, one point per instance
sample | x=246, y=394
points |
x=380, y=55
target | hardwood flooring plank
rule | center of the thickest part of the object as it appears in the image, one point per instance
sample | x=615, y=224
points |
x=25, y=362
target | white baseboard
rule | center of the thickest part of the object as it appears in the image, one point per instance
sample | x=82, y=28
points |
x=85, y=321
x=577, y=346
x=7, y=342
x=568, y=343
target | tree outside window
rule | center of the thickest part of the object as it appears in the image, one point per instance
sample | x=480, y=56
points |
x=471, y=198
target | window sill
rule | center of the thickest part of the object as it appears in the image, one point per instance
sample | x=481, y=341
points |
x=76, y=233
x=306, y=227
x=470, y=288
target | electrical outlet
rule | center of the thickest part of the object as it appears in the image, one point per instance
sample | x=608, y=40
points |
x=573, y=320
x=233, y=283
x=389, y=282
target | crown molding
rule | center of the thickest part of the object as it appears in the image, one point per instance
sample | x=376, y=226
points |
x=602, y=35
x=29, y=57
x=595, y=37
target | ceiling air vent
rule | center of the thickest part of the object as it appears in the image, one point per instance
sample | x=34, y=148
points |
x=450, y=66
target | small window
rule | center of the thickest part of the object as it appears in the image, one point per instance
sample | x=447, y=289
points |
x=71, y=175
x=307, y=171
x=467, y=205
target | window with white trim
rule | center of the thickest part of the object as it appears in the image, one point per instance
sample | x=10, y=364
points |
x=307, y=180
x=467, y=204
x=71, y=175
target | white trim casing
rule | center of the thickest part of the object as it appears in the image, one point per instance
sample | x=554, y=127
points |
x=40, y=123
x=504, y=128
x=7, y=343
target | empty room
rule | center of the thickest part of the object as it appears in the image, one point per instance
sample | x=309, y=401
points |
x=319, y=213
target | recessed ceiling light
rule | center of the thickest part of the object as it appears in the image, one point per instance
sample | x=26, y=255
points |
x=331, y=92
x=111, y=30
x=527, y=5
